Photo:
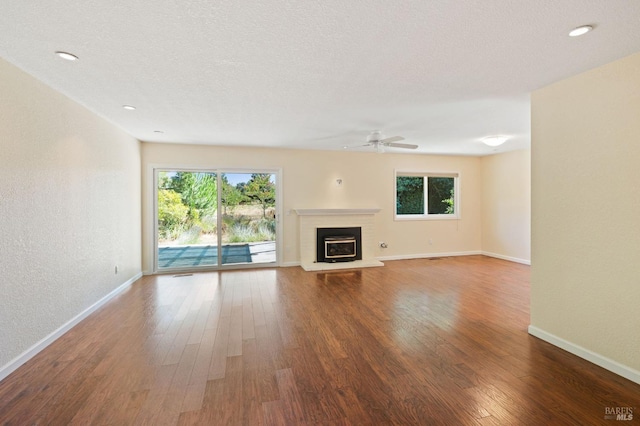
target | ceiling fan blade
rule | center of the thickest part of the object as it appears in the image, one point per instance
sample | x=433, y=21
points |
x=392, y=139
x=357, y=146
x=401, y=145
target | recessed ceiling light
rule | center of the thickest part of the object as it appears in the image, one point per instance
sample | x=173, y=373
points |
x=129, y=107
x=67, y=56
x=158, y=131
x=494, y=140
x=580, y=30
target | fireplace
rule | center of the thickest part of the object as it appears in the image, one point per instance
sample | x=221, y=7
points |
x=339, y=248
x=310, y=220
x=338, y=244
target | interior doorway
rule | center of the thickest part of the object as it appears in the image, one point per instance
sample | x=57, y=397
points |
x=212, y=219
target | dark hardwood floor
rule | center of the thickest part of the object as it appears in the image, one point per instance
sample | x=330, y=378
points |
x=429, y=342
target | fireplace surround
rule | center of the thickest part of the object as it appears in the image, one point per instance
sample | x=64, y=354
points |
x=311, y=219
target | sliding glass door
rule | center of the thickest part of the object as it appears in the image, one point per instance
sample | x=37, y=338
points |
x=212, y=219
x=248, y=218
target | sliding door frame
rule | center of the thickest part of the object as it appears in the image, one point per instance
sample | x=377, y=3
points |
x=152, y=215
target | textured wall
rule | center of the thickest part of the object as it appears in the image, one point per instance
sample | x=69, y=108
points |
x=310, y=182
x=69, y=210
x=506, y=205
x=586, y=210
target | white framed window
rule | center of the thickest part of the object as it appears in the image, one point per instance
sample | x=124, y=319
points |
x=426, y=195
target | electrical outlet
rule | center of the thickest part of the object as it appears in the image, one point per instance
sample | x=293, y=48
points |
x=430, y=241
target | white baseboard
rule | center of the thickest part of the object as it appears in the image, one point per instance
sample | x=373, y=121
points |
x=416, y=256
x=289, y=264
x=428, y=255
x=35, y=349
x=597, y=359
x=431, y=255
x=509, y=258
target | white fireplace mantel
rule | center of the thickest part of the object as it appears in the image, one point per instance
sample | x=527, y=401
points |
x=334, y=212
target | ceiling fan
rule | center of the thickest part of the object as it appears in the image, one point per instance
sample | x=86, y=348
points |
x=375, y=139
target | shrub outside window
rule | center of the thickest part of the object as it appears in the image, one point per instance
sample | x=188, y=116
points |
x=426, y=195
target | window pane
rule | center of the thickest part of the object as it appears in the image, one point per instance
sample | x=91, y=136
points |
x=441, y=196
x=409, y=195
x=187, y=214
x=248, y=216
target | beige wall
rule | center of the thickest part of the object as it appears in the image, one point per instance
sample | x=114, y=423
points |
x=69, y=209
x=506, y=206
x=309, y=182
x=586, y=213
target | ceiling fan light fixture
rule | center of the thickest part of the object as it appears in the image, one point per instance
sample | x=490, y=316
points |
x=374, y=136
x=494, y=140
x=576, y=32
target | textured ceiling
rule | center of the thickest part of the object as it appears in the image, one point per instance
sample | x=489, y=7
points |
x=315, y=74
